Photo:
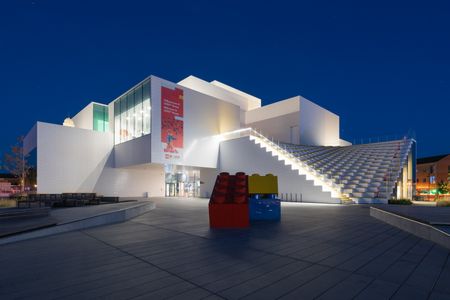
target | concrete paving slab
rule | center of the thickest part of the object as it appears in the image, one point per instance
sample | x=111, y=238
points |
x=78, y=218
x=409, y=223
x=170, y=252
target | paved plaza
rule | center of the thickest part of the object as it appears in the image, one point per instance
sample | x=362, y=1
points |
x=316, y=251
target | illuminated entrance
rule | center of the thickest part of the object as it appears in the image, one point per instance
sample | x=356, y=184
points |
x=181, y=181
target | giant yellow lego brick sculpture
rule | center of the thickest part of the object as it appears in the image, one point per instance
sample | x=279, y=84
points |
x=263, y=184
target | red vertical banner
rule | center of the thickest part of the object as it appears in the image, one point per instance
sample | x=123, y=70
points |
x=172, y=113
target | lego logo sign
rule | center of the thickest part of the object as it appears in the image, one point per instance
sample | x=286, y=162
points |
x=172, y=113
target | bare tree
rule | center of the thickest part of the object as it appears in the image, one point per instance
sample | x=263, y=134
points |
x=16, y=162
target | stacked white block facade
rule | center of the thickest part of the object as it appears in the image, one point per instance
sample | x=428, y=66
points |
x=295, y=139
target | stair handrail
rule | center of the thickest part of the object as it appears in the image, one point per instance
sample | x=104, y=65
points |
x=394, y=174
x=316, y=173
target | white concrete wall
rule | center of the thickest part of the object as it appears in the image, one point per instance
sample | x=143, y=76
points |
x=313, y=124
x=132, y=181
x=282, y=128
x=134, y=152
x=252, y=101
x=244, y=155
x=277, y=109
x=85, y=118
x=221, y=91
x=204, y=118
x=111, y=116
x=318, y=126
x=207, y=179
x=70, y=159
x=279, y=120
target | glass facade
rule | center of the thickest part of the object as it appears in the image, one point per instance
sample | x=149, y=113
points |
x=132, y=114
x=182, y=183
x=101, y=118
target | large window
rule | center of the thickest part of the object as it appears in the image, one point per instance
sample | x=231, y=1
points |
x=132, y=114
x=432, y=179
x=101, y=117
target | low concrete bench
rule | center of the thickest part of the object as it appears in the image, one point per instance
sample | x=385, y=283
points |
x=109, y=199
x=59, y=200
x=77, y=199
x=40, y=200
x=24, y=212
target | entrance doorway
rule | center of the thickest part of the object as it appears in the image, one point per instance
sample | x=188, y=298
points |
x=294, y=134
x=182, y=182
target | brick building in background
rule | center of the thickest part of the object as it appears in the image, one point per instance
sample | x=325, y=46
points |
x=8, y=184
x=430, y=171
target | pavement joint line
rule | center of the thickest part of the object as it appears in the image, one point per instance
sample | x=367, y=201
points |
x=101, y=287
x=261, y=252
x=112, y=293
x=329, y=288
x=107, y=213
x=149, y=263
x=414, y=269
x=351, y=245
x=356, y=271
x=388, y=249
x=90, y=223
x=430, y=228
x=339, y=269
x=276, y=254
x=212, y=271
x=411, y=220
x=356, y=245
x=160, y=251
x=256, y=277
x=259, y=241
x=196, y=261
x=330, y=246
x=58, y=265
x=440, y=274
x=306, y=282
x=40, y=292
x=184, y=292
x=251, y=248
x=283, y=256
x=390, y=265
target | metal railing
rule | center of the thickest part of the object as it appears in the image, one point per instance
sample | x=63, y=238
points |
x=384, y=138
x=281, y=150
x=395, y=170
x=318, y=175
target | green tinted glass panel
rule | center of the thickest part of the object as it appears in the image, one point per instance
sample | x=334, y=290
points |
x=101, y=118
x=132, y=114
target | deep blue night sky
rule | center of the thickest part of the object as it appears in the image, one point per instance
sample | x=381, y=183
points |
x=383, y=66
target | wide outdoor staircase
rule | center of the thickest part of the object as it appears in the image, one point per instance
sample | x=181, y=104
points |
x=365, y=173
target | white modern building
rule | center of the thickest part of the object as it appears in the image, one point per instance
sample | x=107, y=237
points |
x=161, y=138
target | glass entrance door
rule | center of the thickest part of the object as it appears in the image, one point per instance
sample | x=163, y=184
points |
x=184, y=183
x=170, y=189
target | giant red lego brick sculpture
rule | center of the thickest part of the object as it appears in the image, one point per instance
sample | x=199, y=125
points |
x=228, y=206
